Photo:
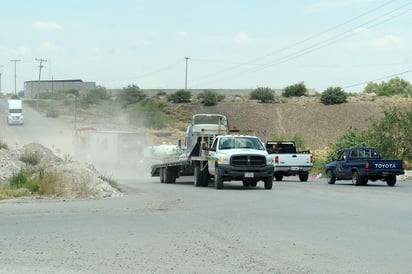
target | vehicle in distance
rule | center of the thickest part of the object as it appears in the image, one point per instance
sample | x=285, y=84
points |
x=361, y=164
x=15, y=112
x=288, y=161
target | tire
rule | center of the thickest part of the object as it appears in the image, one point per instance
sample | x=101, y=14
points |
x=197, y=176
x=268, y=182
x=330, y=177
x=254, y=183
x=170, y=177
x=218, y=179
x=205, y=177
x=356, y=179
x=162, y=174
x=391, y=180
x=278, y=176
x=303, y=177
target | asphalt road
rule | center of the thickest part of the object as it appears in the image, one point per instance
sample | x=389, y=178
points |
x=296, y=227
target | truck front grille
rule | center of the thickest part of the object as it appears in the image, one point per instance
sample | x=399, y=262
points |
x=248, y=160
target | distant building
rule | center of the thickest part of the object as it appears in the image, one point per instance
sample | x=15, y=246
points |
x=32, y=88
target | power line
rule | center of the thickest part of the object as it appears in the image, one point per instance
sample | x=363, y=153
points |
x=326, y=42
x=378, y=79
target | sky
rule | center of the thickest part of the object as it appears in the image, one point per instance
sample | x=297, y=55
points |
x=214, y=44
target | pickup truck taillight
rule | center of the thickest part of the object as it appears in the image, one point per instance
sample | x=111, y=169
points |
x=276, y=159
x=367, y=165
x=311, y=159
x=403, y=166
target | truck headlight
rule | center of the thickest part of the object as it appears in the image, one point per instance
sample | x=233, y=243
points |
x=269, y=161
x=223, y=160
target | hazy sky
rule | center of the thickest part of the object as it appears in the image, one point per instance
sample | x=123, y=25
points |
x=230, y=43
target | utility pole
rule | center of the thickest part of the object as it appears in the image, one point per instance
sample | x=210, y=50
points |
x=38, y=91
x=40, y=66
x=15, y=75
x=187, y=59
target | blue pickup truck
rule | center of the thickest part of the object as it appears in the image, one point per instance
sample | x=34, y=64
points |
x=361, y=164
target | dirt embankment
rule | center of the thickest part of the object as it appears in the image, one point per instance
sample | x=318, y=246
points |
x=70, y=179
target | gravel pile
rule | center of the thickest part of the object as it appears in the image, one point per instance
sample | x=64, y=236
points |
x=74, y=179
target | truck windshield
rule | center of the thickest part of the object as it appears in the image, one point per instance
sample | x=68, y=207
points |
x=14, y=110
x=240, y=142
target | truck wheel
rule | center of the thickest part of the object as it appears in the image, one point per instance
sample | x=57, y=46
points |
x=391, y=180
x=268, y=182
x=162, y=174
x=170, y=177
x=330, y=177
x=198, y=176
x=303, y=177
x=254, y=183
x=218, y=179
x=205, y=177
x=356, y=179
x=278, y=176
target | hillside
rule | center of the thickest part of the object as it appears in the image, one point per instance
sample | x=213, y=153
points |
x=317, y=124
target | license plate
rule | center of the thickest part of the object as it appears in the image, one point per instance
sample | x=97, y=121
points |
x=249, y=175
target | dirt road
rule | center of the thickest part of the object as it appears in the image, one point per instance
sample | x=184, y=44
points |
x=159, y=228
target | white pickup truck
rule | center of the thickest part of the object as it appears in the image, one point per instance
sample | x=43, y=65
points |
x=240, y=157
x=288, y=161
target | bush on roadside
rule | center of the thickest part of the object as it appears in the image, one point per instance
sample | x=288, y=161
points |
x=148, y=113
x=333, y=95
x=264, y=95
x=22, y=180
x=180, y=96
x=210, y=98
x=3, y=145
x=295, y=90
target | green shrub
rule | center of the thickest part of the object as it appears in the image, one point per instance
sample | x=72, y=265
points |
x=333, y=95
x=210, y=98
x=148, y=113
x=3, y=145
x=131, y=95
x=180, y=96
x=295, y=90
x=265, y=95
x=393, y=87
x=22, y=180
x=93, y=96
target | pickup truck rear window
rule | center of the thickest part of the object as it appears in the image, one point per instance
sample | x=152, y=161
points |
x=364, y=153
